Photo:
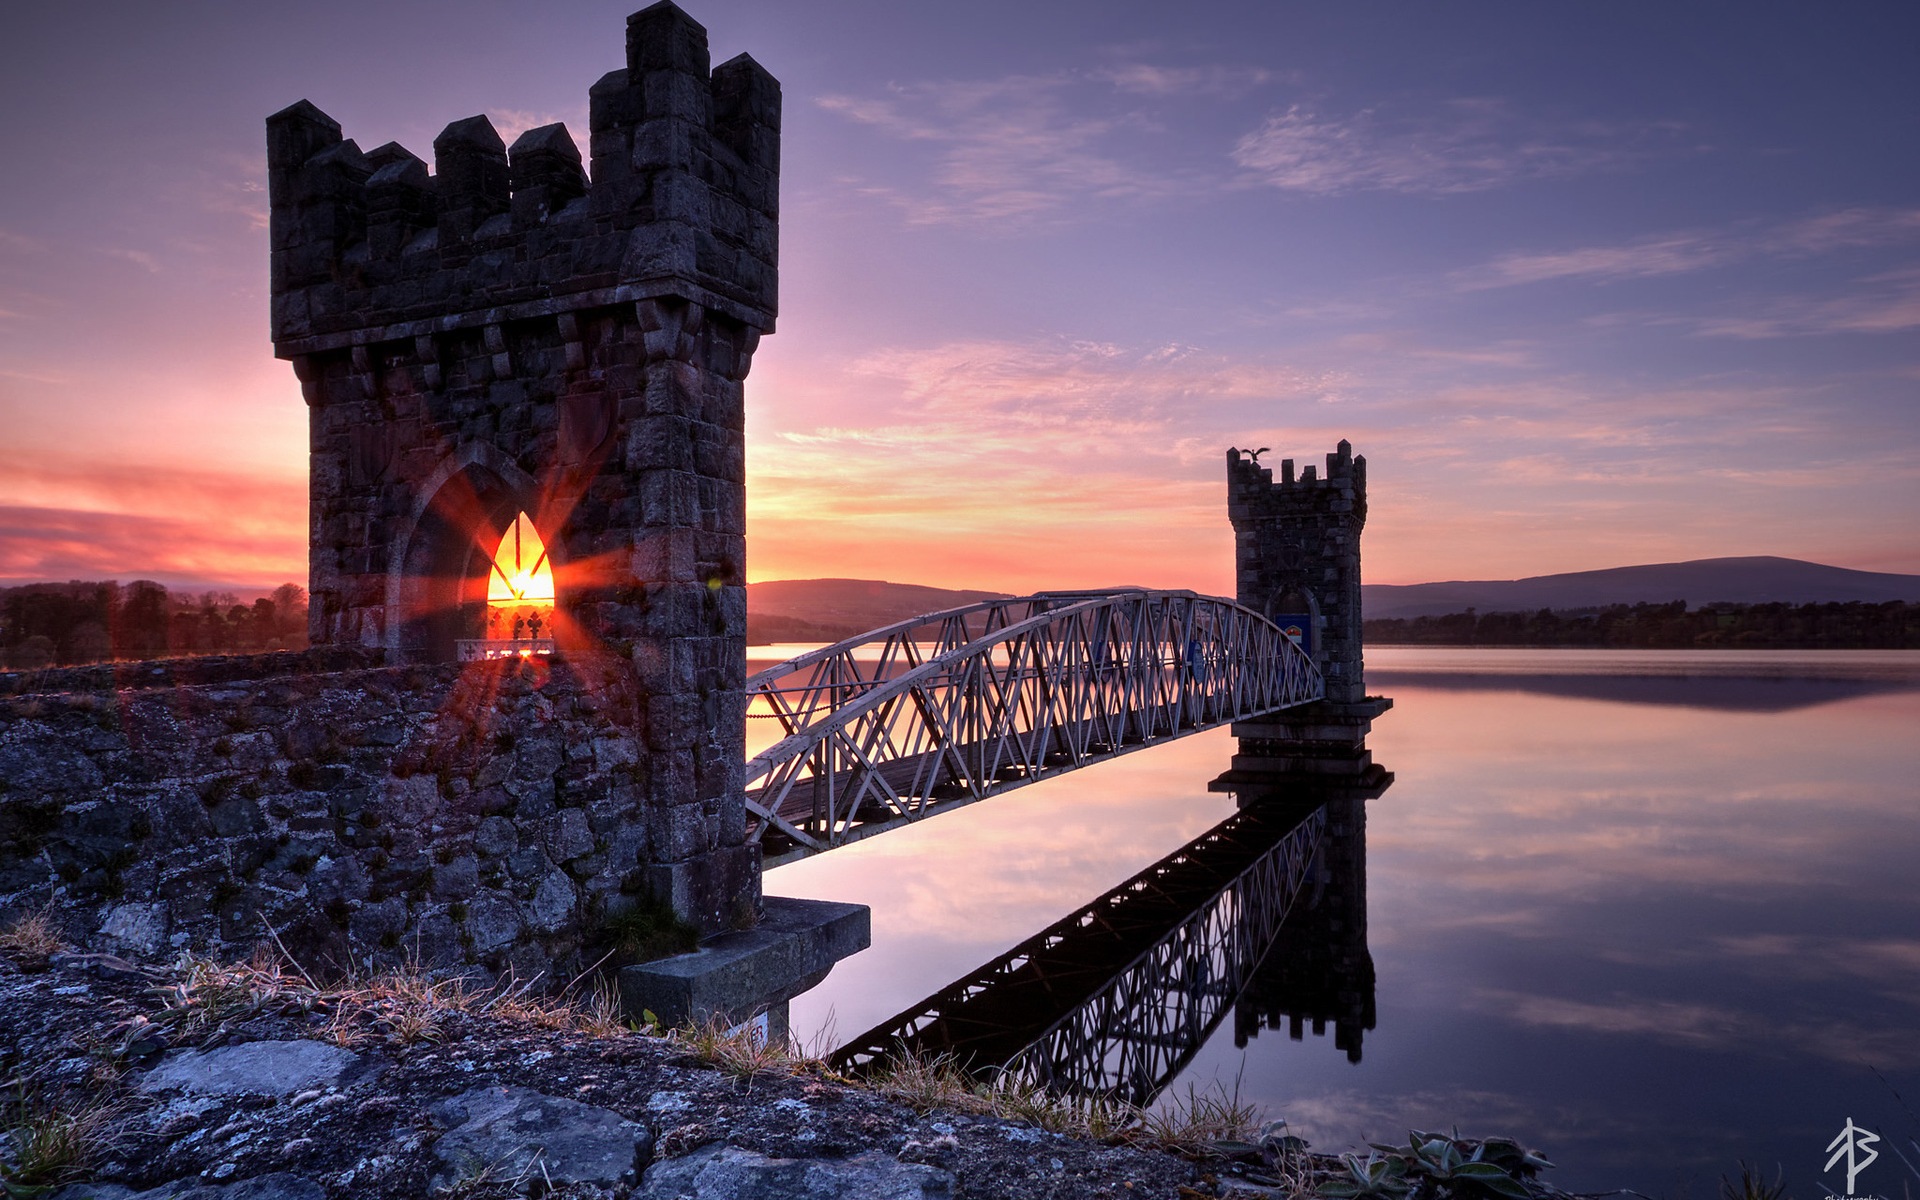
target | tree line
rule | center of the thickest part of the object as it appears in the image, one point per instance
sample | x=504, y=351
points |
x=1894, y=625
x=69, y=624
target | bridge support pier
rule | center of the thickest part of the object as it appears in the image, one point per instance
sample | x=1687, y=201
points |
x=1321, y=742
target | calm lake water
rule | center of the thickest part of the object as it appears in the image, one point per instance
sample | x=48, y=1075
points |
x=1653, y=913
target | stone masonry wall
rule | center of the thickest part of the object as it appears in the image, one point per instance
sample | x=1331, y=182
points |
x=484, y=813
x=1301, y=536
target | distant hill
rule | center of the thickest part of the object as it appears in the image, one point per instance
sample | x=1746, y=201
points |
x=826, y=610
x=1760, y=579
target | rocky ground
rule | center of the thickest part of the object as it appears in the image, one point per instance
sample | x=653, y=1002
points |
x=244, y=1083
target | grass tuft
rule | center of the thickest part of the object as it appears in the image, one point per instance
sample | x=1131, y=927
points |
x=1201, y=1116
x=927, y=1083
x=742, y=1052
x=46, y=1145
x=34, y=935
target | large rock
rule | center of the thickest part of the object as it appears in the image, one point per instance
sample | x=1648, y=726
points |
x=508, y=1133
x=728, y=1173
x=254, y=1068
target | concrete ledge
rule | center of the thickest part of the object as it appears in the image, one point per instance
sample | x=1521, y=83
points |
x=736, y=976
x=1323, y=721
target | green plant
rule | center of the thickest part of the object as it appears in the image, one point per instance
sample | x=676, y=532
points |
x=1371, y=1176
x=1464, y=1167
x=647, y=930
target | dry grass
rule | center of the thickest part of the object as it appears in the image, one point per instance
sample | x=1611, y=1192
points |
x=403, y=1006
x=742, y=1052
x=35, y=935
x=938, y=1082
x=1201, y=1116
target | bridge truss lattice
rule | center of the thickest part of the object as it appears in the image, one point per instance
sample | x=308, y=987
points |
x=947, y=709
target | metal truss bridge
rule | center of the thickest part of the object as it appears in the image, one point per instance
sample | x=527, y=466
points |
x=1116, y=998
x=943, y=710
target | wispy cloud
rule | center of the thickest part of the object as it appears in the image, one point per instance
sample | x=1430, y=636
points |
x=1685, y=251
x=230, y=183
x=1009, y=149
x=140, y=258
x=1646, y=257
x=20, y=243
x=1023, y=148
x=1705, y=1026
x=1884, y=303
x=1023, y=459
x=1147, y=79
x=1463, y=145
x=1024, y=462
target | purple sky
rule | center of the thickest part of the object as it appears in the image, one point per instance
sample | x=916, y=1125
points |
x=1587, y=284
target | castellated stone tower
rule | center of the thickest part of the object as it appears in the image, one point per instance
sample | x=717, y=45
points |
x=1297, y=555
x=509, y=335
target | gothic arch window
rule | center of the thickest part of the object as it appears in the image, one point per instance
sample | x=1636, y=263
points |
x=519, y=594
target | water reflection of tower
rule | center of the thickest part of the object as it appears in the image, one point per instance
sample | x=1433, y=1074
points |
x=1318, y=970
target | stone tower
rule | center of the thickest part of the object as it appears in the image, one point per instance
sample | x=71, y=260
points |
x=1297, y=559
x=1297, y=555
x=511, y=335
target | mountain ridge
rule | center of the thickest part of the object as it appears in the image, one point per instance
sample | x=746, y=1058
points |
x=1748, y=579
x=813, y=609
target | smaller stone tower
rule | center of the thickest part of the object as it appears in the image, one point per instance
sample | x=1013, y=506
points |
x=1297, y=555
x=1297, y=559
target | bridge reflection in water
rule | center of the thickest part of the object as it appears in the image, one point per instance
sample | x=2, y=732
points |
x=1263, y=916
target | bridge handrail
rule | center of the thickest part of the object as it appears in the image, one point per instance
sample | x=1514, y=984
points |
x=879, y=690
x=821, y=653
x=1047, y=682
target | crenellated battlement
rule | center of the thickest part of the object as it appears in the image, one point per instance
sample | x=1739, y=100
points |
x=1343, y=488
x=683, y=202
